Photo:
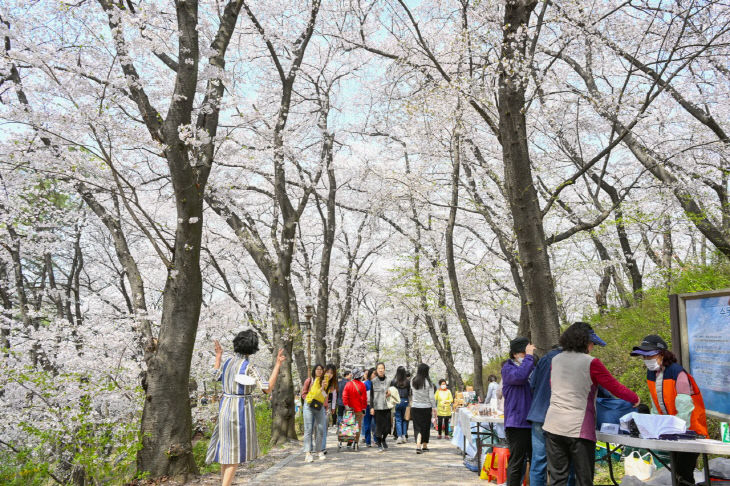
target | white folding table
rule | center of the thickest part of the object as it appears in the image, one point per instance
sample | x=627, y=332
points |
x=700, y=446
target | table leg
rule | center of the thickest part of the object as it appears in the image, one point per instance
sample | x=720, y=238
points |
x=610, y=463
x=706, y=462
x=479, y=444
x=673, y=470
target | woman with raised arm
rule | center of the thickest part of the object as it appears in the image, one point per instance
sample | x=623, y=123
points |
x=234, y=438
x=570, y=421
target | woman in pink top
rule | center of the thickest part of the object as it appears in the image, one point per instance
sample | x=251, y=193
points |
x=570, y=423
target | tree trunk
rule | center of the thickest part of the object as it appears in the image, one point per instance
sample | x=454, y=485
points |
x=441, y=343
x=282, y=398
x=454, y=376
x=320, y=321
x=521, y=192
x=476, y=348
x=166, y=421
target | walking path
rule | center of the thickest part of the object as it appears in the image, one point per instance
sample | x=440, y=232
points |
x=399, y=465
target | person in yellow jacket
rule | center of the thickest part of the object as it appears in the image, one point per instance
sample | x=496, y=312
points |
x=444, y=400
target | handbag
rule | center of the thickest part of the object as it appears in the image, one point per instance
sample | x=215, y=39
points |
x=638, y=466
x=316, y=404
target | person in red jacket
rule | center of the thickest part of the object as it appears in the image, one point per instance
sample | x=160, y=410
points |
x=355, y=396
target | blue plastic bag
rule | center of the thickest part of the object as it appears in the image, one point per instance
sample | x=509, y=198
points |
x=610, y=410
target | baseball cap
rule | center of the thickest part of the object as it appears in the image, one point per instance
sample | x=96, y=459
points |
x=518, y=344
x=649, y=346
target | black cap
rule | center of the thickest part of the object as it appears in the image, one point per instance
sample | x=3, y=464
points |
x=518, y=345
x=650, y=344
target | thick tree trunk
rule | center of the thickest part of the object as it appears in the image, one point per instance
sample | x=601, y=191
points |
x=521, y=192
x=282, y=398
x=166, y=421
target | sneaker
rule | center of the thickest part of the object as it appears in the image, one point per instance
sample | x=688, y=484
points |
x=322, y=456
x=308, y=457
x=369, y=444
x=385, y=444
x=380, y=449
x=419, y=451
x=439, y=437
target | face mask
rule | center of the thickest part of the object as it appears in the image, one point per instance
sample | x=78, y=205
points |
x=443, y=387
x=519, y=360
x=651, y=364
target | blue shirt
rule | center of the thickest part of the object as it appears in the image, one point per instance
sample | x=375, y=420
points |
x=368, y=386
x=540, y=385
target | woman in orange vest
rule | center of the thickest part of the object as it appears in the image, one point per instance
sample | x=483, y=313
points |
x=673, y=392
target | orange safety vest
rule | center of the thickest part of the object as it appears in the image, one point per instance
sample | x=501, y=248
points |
x=698, y=419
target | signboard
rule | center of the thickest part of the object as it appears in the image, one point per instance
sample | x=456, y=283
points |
x=701, y=341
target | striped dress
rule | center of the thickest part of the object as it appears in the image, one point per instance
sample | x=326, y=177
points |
x=234, y=437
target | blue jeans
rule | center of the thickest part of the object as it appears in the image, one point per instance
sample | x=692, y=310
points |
x=538, y=463
x=313, y=420
x=401, y=426
x=368, y=424
x=323, y=429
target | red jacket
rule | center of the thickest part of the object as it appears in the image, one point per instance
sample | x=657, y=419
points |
x=355, y=395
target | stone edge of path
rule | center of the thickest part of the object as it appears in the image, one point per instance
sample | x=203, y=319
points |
x=275, y=468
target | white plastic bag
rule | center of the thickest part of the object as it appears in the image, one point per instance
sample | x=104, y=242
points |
x=638, y=466
x=652, y=426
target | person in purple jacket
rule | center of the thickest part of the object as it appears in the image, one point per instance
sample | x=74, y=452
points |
x=517, y=400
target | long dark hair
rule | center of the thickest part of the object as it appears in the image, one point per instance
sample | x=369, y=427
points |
x=668, y=357
x=370, y=372
x=400, y=380
x=314, y=370
x=419, y=381
x=333, y=381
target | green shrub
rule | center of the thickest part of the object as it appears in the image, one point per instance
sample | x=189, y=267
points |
x=263, y=425
x=200, y=449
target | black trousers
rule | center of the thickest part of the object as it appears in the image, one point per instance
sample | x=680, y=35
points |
x=382, y=425
x=564, y=452
x=520, y=450
x=443, y=424
x=421, y=424
x=685, y=464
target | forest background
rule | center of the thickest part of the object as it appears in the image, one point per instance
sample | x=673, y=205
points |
x=433, y=178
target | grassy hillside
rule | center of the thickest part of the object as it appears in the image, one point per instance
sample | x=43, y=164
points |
x=624, y=328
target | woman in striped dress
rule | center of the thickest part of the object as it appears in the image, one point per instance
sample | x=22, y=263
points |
x=234, y=437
